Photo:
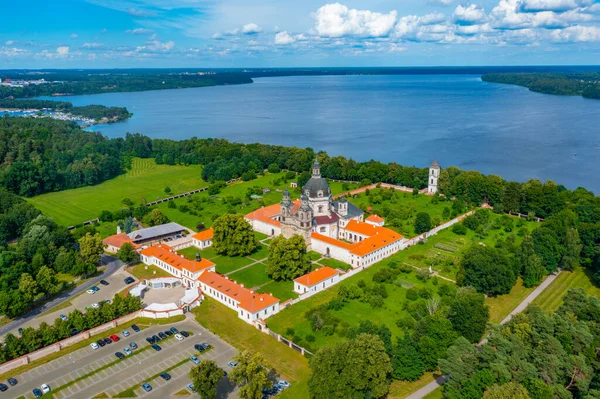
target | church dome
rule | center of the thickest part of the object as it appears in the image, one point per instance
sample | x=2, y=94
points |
x=316, y=187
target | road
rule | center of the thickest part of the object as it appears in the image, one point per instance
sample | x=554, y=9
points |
x=433, y=385
x=112, y=265
x=130, y=372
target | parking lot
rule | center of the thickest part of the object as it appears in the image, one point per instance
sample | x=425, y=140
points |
x=143, y=365
x=83, y=300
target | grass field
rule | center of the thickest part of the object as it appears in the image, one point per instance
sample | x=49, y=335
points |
x=552, y=297
x=145, y=180
x=142, y=271
x=336, y=264
x=502, y=305
x=252, y=276
x=290, y=364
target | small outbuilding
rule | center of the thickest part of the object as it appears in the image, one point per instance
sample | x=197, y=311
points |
x=317, y=280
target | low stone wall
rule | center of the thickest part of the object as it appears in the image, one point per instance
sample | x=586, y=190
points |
x=60, y=345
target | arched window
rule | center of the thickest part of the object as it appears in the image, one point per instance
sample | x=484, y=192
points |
x=320, y=208
x=320, y=194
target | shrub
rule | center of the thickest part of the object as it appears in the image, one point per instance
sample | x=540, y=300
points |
x=379, y=289
x=376, y=301
x=361, y=283
x=425, y=293
x=328, y=330
x=406, y=323
x=383, y=275
x=459, y=229
x=404, y=268
x=183, y=208
x=310, y=338
x=336, y=303
x=289, y=332
x=423, y=275
x=412, y=294
x=171, y=205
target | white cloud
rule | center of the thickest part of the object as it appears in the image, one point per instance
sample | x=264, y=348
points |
x=337, y=20
x=440, y=2
x=577, y=33
x=136, y=12
x=62, y=51
x=284, y=38
x=251, y=28
x=9, y=42
x=552, y=5
x=468, y=15
x=92, y=45
x=73, y=35
x=139, y=31
x=433, y=18
x=160, y=46
x=507, y=15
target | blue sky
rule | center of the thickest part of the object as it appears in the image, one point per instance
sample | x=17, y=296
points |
x=280, y=33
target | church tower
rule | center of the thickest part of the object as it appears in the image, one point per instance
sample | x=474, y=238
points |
x=318, y=192
x=434, y=175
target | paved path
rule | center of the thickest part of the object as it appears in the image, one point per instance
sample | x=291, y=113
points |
x=112, y=265
x=433, y=385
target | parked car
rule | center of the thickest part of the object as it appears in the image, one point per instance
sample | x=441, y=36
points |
x=231, y=363
x=194, y=359
x=165, y=376
x=12, y=381
x=95, y=289
x=168, y=333
x=114, y=338
x=190, y=387
x=174, y=330
x=64, y=317
x=37, y=393
x=162, y=335
x=95, y=305
x=129, y=280
x=119, y=355
x=127, y=351
x=150, y=340
x=101, y=342
x=284, y=383
x=199, y=348
x=184, y=333
x=156, y=347
x=133, y=345
x=45, y=388
x=135, y=328
x=90, y=291
x=125, y=333
x=107, y=340
x=3, y=387
x=94, y=345
x=179, y=337
x=205, y=345
x=104, y=282
x=147, y=387
x=156, y=338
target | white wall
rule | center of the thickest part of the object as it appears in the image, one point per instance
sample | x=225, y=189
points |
x=323, y=285
x=338, y=253
x=264, y=228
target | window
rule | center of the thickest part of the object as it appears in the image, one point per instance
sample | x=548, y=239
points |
x=320, y=208
x=320, y=194
x=323, y=229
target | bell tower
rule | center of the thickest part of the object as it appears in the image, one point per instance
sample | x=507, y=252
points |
x=434, y=175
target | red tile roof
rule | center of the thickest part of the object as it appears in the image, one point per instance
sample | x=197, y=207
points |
x=204, y=235
x=266, y=214
x=361, y=228
x=118, y=240
x=375, y=219
x=248, y=299
x=327, y=219
x=179, y=262
x=377, y=237
x=317, y=276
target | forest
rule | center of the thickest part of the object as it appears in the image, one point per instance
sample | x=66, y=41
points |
x=96, y=112
x=586, y=84
x=70, y=82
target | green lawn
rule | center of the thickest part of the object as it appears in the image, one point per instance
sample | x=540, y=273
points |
x=190, y=253
x=502, y=305
x=228, y=264
x=314, y=255
x=291, y=365
x=252, y=276
x=142, y=271
x=146, y=180
x=261, y=253
x=334, y=263
x=552, y=297
x=225, y=264
x=283, y=290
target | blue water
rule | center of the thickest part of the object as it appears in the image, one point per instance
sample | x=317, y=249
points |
x=411, y=119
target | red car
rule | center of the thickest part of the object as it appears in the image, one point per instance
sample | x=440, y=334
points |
x=114, y=338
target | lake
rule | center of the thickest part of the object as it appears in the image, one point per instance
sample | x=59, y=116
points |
x=410, y=119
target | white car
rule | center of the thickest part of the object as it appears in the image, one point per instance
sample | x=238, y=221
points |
x=91, y=292
x=125, y=333
x=127, y=351
x=95, y=305
x=45, y=388
x=94, y=345
x=179, y=337
x=284, y=383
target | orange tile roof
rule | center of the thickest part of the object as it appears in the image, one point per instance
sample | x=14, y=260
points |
x=382, y=238
x=361, y=228
x=332, y=241
x=375, y=219
x=166, y=254
x=204, y=235
x=118, y=240
x=317, y=276
x=267, y=213
x=248, y=300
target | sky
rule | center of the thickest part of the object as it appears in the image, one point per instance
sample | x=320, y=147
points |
x=297, y=33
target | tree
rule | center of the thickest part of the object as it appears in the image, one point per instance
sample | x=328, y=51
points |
x=488, y=270
x=167, y=190
x=90, y=248
x=422, y=222
x=233, y=236
x=433, y=335
x=510, y=390
x=469, y=314
x=570, y=259
x=406, y=363
x=127, y=253
x=129, y=225
x=155, y=218
x=205, y=378
x=250, y=375
x=354, y=369
x=532, y=269
x=28, y=286
x=47, y=280
x=288, y=258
